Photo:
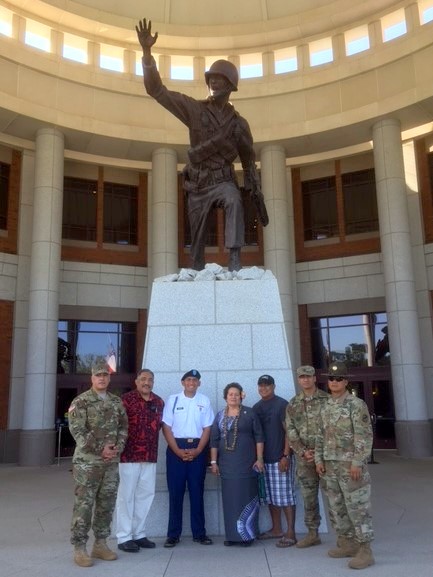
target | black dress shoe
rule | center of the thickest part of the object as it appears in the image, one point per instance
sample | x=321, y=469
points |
x=171, y=542
x=129, y=547
x=205, y=540
x=229, y=543
x=144, y=543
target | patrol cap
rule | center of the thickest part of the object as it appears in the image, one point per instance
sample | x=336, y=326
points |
x=306, y=370
x=337, y=369
x=192, y=373
x=266, y=380
x=99, y=368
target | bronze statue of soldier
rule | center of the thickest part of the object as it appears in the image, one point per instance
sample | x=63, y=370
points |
x=218, y=135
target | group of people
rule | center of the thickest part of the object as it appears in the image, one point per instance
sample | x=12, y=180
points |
x=325, y=438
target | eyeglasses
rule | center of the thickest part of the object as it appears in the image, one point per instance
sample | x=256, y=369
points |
x=338, y=379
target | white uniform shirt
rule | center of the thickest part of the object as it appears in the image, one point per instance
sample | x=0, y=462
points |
x=187, y=416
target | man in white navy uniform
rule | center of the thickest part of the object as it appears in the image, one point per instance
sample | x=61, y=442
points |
x=187, y=419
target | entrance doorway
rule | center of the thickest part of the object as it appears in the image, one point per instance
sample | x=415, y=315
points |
x=374, y=386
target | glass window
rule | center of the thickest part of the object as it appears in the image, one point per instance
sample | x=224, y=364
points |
x=75, y=48
x=393, y=25
x=83, y=343
x=319, y=208
x=182, y=67
x=120, y=213
x=251, y=65
x=6, y=17
x=430, y=169
x=79, y=209
x=360, y=204
x=286, y=60
x=357, y=40
x=425, y=8
x=111, y=57
x=321, y=52
x=357, y=340
x=4, y=194
x=38, y=35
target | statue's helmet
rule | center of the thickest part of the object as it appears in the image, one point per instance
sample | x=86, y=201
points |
x=226, y=69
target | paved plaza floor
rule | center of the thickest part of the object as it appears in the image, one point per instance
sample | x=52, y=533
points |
x=35, y=512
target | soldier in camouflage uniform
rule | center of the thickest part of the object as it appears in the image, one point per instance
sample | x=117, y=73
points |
x=99, y=425
x=302, y=416
x=343, y=446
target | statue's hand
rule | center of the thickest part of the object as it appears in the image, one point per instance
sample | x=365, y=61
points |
x=144, y=34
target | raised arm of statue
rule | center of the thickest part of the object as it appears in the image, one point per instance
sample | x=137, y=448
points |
x=144, y=35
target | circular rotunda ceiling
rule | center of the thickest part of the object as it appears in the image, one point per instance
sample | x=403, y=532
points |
x=203, y=24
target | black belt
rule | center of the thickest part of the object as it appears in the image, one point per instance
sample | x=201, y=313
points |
x=187, y=439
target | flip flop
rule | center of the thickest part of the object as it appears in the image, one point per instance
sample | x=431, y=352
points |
x=285, y=542
x=268, y=535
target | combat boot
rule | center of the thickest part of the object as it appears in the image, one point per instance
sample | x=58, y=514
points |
x=312, y=538
x=364, y=557
x=81, y=557
x=346, y=547
x=102, y=551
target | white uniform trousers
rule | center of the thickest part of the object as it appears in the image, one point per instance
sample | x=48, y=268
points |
x=134, y=498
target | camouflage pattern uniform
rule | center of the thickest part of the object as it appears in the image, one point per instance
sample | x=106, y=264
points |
x=344, y=439
x=302, y=417
x=95, y=422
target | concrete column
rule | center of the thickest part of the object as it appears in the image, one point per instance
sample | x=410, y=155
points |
x=413, y=432
x=303, y=56
x=129, y=61
x=375, y=33
x=268, y=63
x=199, y=64
x=164, y=65
x=19, y=28
x=278, y=236
x=412, y=18
x=164, y=213
x=93, y=54
x=37, y=440
x=338, y=47
x=57, y=40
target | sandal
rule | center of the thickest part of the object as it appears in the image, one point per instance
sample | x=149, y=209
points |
x=285, y=542
x=268, y=535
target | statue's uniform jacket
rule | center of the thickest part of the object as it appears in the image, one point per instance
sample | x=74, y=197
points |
x=217, y=138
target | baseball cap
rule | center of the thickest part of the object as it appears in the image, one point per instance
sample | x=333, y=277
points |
x=306, y=370
x=100, y=368
x=266, y=380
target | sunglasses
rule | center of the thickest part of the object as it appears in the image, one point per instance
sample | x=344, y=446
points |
x=338, y=379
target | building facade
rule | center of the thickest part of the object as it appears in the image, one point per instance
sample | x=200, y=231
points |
x=92, y=209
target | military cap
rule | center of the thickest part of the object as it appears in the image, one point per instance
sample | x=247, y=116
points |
x=306, y=370
x=192, y=373
x=266, y=380
x=98, y=368
x=337, y=369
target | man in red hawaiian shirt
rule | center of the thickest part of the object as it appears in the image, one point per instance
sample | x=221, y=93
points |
x=138, y=464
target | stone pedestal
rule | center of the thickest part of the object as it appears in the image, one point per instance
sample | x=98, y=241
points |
x=230, y=330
